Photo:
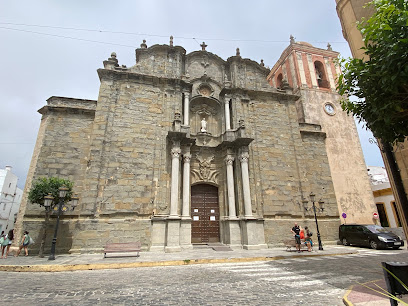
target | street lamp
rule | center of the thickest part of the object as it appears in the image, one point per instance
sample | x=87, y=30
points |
x=47, y=204
x=62, y=194
x=312, y=197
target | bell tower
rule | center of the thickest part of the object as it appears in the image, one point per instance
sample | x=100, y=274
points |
x=312, y=73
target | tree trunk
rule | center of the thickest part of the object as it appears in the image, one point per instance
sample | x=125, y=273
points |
x=44, y=234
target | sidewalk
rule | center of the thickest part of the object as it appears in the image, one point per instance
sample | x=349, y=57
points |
x=357, y=295
x=200, y=255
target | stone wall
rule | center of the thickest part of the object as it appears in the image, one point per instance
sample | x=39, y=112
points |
x=348, y=168
x=277, y=230
x=63, y=145
x=117, y=150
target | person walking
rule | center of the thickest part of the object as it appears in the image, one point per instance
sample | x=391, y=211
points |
x=25, y=241
x=296, y=230
x=7, y=243
x=308, y=239
x=2, y=239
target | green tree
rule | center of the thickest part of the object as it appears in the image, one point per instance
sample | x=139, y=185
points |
x=380, y=84
x=43, y=186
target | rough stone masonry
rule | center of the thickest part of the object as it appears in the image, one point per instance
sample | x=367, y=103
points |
x=146, y=169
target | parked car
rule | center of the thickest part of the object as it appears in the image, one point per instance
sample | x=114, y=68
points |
x=373, y=236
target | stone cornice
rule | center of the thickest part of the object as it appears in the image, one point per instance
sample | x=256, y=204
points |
x=154, y=80
x=269, y=92
x=303, y=48
x=73, y=110
x=140, y=78
x=72, y=105
x=311, y=130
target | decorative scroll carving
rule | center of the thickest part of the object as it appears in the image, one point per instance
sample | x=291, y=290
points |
x=241, y=123
x=175, y=152
x=212, y=177
x=205, y=62
x=205, y=166
x=187, y=157
x=244, y=157
x=204, y=109
x=229, y=160
x=204, y=172
x=205, y=90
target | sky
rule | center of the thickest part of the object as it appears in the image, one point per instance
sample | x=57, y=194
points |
x=53, y=48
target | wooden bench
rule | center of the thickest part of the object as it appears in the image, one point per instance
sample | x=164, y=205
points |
x=289, y=244
x=122, y=248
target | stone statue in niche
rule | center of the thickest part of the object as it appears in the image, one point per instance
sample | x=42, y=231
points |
x=203, y=126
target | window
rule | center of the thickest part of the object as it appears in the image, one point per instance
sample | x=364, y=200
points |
x=382, y=214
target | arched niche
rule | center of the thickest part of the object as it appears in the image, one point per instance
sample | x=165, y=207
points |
x=321, y=75
x=279, y=80
x=207, y=108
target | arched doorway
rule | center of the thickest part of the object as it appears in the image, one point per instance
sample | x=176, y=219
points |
x=205, y=214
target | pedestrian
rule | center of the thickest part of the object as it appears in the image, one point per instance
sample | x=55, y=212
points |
x=296, y=230
x=302, y=234
x=7, y=243
x=308, y=239
x=2, y=238
x=25, y=241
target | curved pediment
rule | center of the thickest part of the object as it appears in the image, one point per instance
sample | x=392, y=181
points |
x=202, y=63
x=215, y=57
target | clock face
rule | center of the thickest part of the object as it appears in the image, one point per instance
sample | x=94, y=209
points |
x=329, y=108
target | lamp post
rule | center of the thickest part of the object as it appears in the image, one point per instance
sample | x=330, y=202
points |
x=312, y=197
x=47, y=204
x=62, y=194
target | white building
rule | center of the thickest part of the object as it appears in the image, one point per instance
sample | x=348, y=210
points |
x=384, y=199
x=10, y=198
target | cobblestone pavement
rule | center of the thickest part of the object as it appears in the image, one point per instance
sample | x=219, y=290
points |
x=297, y=281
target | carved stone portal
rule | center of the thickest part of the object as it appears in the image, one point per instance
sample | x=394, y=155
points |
x=205, y=171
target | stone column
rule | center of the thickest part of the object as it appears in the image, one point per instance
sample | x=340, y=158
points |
x=230, y=187
x=185, y=225
x=227, y=113
x=186, y=108
x=186, y=186
x=245, y=184
x=175, y=164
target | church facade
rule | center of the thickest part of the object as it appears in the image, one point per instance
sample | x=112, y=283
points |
x=184, y=149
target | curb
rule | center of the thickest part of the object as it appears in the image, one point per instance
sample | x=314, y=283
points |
x=103, y=266
x=347, y=302
x=345, y=297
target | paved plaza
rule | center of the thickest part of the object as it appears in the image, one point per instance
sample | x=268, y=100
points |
x=292, y=280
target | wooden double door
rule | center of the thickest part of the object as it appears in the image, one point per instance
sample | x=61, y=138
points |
x=205, y=214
